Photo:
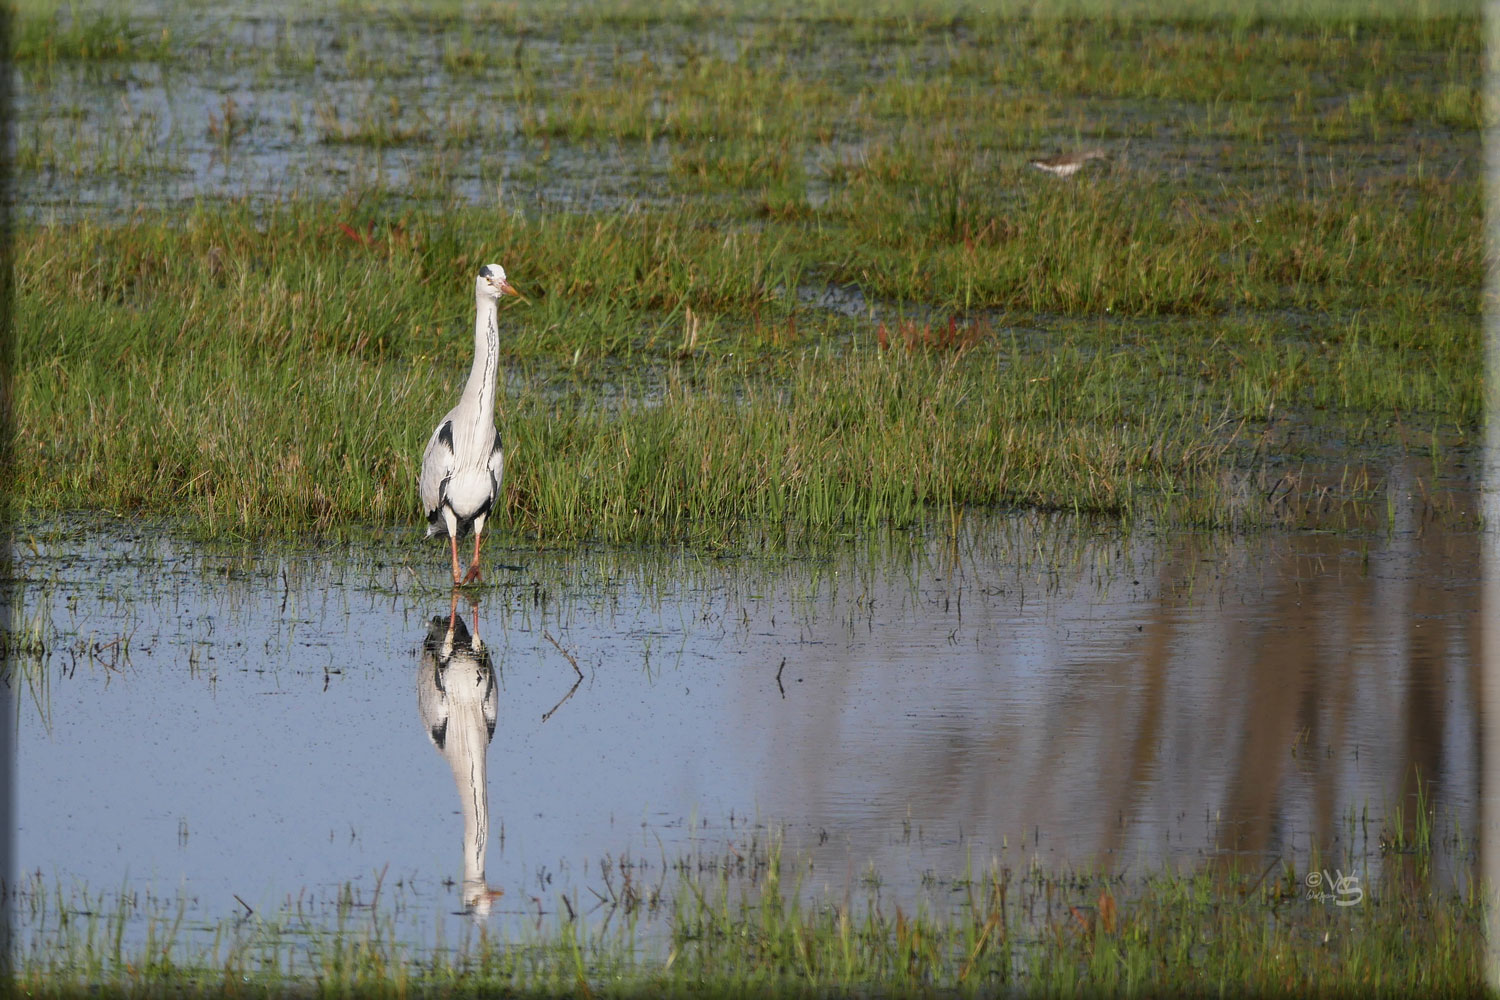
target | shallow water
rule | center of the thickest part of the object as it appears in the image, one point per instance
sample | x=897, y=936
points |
x=241, y=730
x=271, y=101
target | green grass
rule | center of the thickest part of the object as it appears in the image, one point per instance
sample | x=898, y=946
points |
x=1282, y=258
x=744, y=923
x=68, y=32
x=278, y=375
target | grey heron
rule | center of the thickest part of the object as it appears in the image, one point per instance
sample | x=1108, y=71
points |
x=461, y=468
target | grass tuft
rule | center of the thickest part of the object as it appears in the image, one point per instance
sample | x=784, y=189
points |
x=823, y=293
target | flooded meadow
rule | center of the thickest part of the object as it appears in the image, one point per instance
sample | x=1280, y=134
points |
x=912, y=568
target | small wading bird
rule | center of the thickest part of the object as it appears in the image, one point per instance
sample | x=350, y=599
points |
x=461, y=468
x=1068, y=164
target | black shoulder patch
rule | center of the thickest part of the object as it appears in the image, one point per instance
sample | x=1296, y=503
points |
x=497, y=443
x=489, y=502
x=439, y=734
x=445, y=434
x=435, y=515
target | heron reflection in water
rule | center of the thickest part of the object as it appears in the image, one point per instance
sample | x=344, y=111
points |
x=458, y=701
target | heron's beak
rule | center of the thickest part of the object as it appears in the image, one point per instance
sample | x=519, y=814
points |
x=506, y=288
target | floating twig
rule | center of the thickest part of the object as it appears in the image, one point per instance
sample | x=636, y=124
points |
x=572, y=662
x=565, y=653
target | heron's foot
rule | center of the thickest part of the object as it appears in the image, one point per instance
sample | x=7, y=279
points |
x=473, y=575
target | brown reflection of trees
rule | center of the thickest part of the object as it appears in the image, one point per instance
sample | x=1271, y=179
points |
x=1293, y=676
x=1252, y=697
x=1141, y=754
x=1443, y=566
x=1320, y=620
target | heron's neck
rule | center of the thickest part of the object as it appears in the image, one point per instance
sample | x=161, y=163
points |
x=481, y=384
x=468, y=763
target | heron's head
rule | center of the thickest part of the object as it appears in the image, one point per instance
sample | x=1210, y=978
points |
x=491, y=283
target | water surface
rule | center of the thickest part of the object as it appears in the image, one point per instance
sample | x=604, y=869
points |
x=243, y=730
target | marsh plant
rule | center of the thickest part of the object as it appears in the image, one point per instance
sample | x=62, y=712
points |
x=743, y=920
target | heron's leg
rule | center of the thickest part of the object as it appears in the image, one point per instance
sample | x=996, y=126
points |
x=473, y=573
x=452, y=614
x=450, y=520
x=453, y=545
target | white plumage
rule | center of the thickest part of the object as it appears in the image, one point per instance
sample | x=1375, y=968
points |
x=462, y=466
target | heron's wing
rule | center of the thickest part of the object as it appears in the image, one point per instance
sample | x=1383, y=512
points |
x=438, y=463
x=432, y=700
x=496, y=465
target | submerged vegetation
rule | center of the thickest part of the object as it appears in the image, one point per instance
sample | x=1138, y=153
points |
x=822, y=291
x=744, y=922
